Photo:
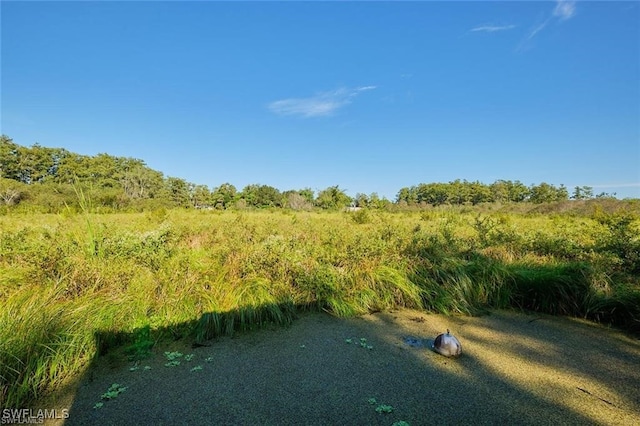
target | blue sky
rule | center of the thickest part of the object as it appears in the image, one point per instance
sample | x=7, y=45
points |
x=372, y=97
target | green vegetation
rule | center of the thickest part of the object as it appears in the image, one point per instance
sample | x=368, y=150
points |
x=79, y=283
x=113, y=391
x=380, y=408
x=173, y=359
x=74, y=286
x=48, y=180
x=384, y=409
x=362, y=342
x=141, y=347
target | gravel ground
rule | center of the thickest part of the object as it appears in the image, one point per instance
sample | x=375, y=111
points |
x=515, y=369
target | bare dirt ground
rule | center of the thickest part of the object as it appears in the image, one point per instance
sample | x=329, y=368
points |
x=515, y=369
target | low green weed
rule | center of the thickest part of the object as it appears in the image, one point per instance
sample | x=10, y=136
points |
x=380, y=408
x=362, y=342
x=383, y=408
x=173, y=359
x=141, y=348
x=113, y=392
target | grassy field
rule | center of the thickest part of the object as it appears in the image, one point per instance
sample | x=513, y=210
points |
x=77, y=285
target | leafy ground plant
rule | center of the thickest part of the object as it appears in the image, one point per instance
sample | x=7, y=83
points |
x=384, y=408
x=137, y=367
x=173, y=359
x=362, y=342
x=111, y=393
x=141, y=348
x=380, y=408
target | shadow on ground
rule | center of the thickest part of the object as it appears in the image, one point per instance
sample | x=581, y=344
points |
x=322, y=370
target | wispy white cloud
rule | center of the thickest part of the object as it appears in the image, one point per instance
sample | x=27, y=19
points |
x=321, y=104
x=537, y=29
x=564, y=10
x=492, y=28
x=617, y=185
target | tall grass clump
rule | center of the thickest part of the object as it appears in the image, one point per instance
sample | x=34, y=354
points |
x=454, y=277
x=358, y=292
x=41, y=344
x=615, y=304
x=458, y=285
x=560, y=289
x=249, y=306
x=620, y=308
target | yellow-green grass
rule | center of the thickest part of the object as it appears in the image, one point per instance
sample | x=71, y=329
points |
x=73, y=286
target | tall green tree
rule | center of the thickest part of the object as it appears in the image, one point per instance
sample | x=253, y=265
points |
x=178, y=191
x=408, y=195
x=546, y=193
x=500, y=191
x=480, y=193
x=518, y=192
x=361, y=200
x=73, y=167
x=262, y=196
x=562, y=193
x=35, y=164
x=333, y=198
x=308, y=194
x=224, y=196
x=433, y=193
x=9, y=158
x=201, y=196
x=459, y=192
x=582, y=193
x=375, y=201
x=104, y=170
x=139, y=182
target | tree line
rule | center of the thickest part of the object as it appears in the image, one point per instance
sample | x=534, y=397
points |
x=51, y=179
